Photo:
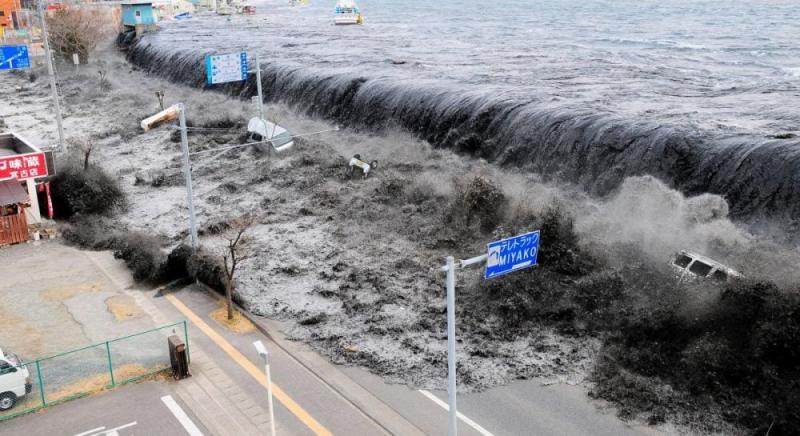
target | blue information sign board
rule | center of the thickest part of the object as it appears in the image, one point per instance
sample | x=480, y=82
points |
x=512, y=254
x=14, y=57
x=226, y=68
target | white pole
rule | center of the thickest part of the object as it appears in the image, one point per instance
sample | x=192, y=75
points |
x=452, y=430
x=261, y=108
x=30, y=32
x=269, y=394
x=260, y=95
x=51, y=71
x=187, y=174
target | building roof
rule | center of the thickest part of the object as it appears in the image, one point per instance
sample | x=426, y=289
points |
x=12, y=144
x=11, y=192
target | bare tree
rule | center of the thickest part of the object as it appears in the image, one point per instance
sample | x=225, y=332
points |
x=86, y=148
x=77, y=29
x=238, y=248
x=82, y=147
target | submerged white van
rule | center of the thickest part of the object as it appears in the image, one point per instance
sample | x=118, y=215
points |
x=691, y=266
x=15, y=380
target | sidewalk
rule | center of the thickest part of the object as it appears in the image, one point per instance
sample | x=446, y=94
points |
x=220, y=404
x=226, y=391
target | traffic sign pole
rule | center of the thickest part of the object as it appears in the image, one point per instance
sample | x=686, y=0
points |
x=452, y=429
x=51, y=72
x=450, y=269
x=502, y=257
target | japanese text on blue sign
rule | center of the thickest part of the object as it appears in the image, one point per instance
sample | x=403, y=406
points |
x=14, y=57
x=226, y=68
x=508, y=255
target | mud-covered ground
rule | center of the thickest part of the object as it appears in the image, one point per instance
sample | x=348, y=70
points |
x=353, y=262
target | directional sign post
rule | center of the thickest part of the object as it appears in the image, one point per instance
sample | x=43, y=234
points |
x=502, y=257
x=14, y=57
x=226, y=68
x=512, y=254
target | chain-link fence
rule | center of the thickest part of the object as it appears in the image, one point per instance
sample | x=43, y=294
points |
x=28, y=386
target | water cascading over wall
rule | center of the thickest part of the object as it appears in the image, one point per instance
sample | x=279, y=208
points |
x=759, y=177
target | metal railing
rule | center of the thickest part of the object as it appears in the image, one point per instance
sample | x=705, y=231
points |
x=83, y=371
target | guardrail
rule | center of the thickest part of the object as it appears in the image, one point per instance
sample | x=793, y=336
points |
x=82, y=371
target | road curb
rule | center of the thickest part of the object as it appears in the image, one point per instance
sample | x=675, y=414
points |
x=370, y=406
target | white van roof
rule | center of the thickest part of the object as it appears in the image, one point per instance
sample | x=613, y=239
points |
x=711, y=262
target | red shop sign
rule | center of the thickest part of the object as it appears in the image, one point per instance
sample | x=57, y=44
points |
x=23, y=166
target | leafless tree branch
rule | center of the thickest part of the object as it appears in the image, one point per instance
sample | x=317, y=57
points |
x=238, y=248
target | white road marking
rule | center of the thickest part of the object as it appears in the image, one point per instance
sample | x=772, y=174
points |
x=91, y=431
x=460, y=415
x=100, y=431
x=182, y=417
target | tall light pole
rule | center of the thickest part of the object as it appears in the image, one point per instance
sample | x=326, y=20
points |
x=51, y=72
x=179, y=111
x=187, y=174
x=262, y=351
x=260, y=94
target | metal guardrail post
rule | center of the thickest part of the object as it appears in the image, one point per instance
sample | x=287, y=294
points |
x=41, y=383
x=110, y=365
x=186, y=342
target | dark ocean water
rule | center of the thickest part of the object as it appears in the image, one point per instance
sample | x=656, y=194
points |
x=703, y=94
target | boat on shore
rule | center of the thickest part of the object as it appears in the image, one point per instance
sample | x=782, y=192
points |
x=347, y=12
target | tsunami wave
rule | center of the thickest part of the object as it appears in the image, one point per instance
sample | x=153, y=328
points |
x=758, y=176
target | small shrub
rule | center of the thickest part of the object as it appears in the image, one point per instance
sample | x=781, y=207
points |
x=177, y=264
x=207, y=268
x=142, y=254
x=478, y=200
x=105, y=84
x=559, y=248
x=79, y=191
x=91, y=232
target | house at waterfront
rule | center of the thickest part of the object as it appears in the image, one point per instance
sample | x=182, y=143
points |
x=138, y=15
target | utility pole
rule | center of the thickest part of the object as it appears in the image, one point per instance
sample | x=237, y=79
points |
x=187, y=174
x=51, y=72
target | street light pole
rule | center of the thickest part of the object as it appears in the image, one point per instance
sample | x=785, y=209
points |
x=260, y=95
x=51, y=72
x=187, y=174
x=262, y=351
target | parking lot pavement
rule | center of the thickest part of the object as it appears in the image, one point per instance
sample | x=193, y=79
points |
x=57, y=298
x=148, y=408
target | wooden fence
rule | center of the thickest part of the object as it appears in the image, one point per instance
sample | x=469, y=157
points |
x=13, y=229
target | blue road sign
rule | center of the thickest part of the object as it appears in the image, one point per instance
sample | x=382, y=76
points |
x=512, y=254
x=226, y=68
x=14, y=57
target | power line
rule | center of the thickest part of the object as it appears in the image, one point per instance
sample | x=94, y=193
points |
x=271, y=140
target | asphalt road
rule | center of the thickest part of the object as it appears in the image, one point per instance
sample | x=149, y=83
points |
x=127, y=411
x=521, y=408
x=324, y=405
